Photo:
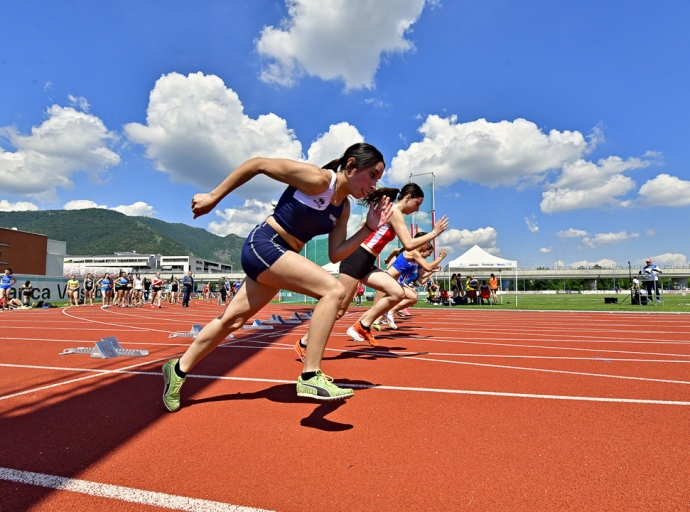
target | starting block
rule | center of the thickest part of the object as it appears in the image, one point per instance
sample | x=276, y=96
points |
x=107, y=348
x=291, y=320
x=306, y=316
x=193, y=332
x=256, y=324
x=273, y=320
x=196, y=328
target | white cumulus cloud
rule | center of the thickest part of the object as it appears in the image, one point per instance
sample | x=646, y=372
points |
x=671, y=259
x=545, y=250
x=330, y=145
x=665, y=190
x=532, y=224
x=82, y=204
x=138, y=209
x=337, y=40
x=584, y=184
x=68, y=141
x=502, y=153
x=240, y=221
x=196, y=131
x=19, y=206
x=603, y=263
x=608, y=238
x=459, y=240
x=572, y=233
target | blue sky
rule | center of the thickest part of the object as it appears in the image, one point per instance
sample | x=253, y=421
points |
x=556, y=131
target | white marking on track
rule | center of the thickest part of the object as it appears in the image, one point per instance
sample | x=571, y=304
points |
x=120, y=493
x=389, y=388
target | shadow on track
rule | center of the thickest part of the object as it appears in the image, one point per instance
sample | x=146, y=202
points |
x=285, y=393
x=65, y=431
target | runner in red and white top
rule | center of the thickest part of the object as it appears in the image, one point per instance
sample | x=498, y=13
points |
x=156, y=285
x=360, y=265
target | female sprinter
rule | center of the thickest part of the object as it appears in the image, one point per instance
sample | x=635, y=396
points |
x=315, y=202
x=359, y=266
x=156, y=285
x=408, y=263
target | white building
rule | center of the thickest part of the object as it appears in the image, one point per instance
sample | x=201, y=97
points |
x=141, y=264
x=183, y=264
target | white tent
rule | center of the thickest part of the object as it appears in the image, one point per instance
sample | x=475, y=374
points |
x=477, y=258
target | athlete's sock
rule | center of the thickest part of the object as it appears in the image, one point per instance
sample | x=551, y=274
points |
x=308, y=375
x=301, y=343
x=365, y=327
x=179, y=372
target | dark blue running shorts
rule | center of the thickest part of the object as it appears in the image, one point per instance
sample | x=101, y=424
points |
x=261, y=249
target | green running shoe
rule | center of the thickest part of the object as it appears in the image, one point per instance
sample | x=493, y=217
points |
x=321, y=387
x=173, y=383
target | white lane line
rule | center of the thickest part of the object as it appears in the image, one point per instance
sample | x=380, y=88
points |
x=398, y=354
x=392, y=388
x=502, y=345
x=95, y=373
x=117, y=492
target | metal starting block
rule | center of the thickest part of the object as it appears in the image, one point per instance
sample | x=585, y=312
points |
x=256, y=324
x=306, y=316
x=193, y=333
x=196, y=328
x=107, y=348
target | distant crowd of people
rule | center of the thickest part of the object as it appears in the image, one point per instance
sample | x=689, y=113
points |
x=464, y=291
x=123, y=290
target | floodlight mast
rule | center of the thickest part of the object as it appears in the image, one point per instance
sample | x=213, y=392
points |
x=413, y=225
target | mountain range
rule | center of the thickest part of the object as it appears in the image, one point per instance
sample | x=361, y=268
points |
x=97, y=231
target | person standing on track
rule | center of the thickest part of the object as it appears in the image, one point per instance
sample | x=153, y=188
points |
x=7, y=281
x=73, y=291
x=493, y=286
x=651, y=274
x=138, y=291
x=106, y=284
x=314, y=203
x=188, y=285
x=360, y=265
x=156, y=285
x=89, y=288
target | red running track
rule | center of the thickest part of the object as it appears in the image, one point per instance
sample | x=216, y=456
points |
x=455, y=410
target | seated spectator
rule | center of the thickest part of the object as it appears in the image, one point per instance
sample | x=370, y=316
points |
x=433, y=295
x=484, y=293
x=445, y=298
x=10, y=303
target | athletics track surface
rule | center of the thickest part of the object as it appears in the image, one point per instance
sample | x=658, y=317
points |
x=456, y=410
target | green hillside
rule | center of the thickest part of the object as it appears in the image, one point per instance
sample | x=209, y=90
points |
x=200, y=242
x=99, y=231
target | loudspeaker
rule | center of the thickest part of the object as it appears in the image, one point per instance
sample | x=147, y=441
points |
x=610, y=300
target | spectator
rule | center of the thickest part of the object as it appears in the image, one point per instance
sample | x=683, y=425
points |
x=25, y=291
x=650, y=273
x=454, y=285
x=73, y=291
x=89, y=288
x=493, y=284
x=222, y=291
x=484, y=292
x=7, y=280
x=7, y=303
x=147, y=289
x=359, y=294
x=188, y=287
